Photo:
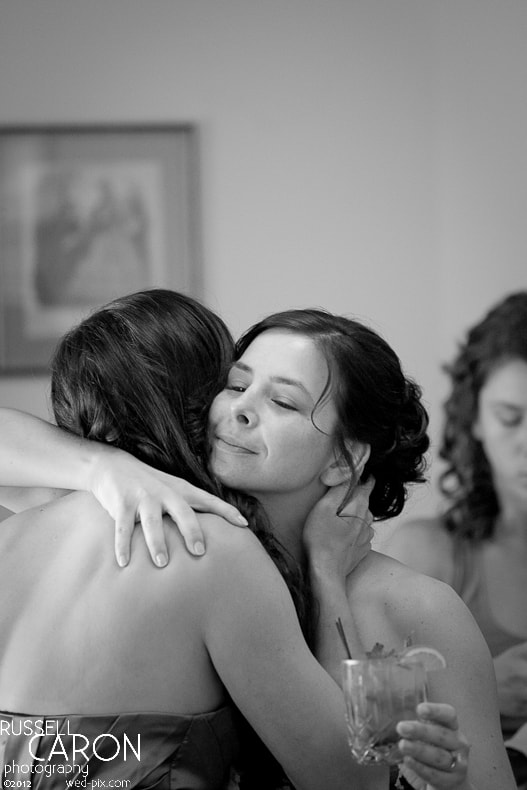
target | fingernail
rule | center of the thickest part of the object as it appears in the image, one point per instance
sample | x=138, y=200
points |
x=161, y=560
x=122, y=560
x=199, y=548
x=404, y=728
x=242, y=520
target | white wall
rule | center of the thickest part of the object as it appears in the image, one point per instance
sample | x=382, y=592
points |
x=367, y=156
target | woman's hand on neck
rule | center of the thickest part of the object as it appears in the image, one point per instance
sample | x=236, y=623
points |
x=287, y=513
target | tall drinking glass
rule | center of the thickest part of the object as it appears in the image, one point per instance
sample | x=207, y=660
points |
x=379, y=692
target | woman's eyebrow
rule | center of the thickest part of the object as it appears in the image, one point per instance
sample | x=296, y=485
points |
x=290, y=383
x=241, y=366
x=275, y=379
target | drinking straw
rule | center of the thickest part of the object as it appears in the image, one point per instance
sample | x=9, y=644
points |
x=340, y=629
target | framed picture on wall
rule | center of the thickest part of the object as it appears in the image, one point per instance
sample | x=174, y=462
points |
x=89, y=213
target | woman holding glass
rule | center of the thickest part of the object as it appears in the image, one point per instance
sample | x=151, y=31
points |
x=313, y=403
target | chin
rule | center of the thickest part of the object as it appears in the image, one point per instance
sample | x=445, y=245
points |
x=227, y=477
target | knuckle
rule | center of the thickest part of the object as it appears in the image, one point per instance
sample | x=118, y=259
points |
x=123, y=509
x=151, y=520
x=140, y=495
x=122, y=530
x=443, y=738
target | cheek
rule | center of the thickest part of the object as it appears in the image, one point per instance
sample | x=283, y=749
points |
x=217, y=409
x=489, y=431
x=307, y=449
x=498, y=445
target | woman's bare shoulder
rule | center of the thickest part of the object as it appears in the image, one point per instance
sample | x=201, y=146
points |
x=406, y=603
x=386, y=572
x=229, y=549
x=198, y=587
x=423, y=544
x=402, y=579
x=221, y=536
x=235, y=577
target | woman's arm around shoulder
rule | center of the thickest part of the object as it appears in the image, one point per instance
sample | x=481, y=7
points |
x=27, y=461
x=424, y=545
x=37, y=454
x=256, y=645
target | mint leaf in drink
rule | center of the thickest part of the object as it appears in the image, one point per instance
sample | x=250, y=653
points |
x=378, y=651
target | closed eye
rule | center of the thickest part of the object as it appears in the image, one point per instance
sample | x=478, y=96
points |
x=509, y=416
x=283, y=405
x=510, y=422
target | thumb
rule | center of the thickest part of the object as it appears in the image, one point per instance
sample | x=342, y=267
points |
x=332, y=499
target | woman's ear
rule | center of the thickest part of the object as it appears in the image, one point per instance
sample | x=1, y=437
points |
x=339, y=470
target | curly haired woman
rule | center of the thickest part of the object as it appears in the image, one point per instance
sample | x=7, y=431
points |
x=479, y=544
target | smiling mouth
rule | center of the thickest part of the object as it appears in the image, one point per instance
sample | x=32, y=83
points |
x=233, y=446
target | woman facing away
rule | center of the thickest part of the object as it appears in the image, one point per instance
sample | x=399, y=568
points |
x=479, y=544
x=314, y=400
x=130, y=677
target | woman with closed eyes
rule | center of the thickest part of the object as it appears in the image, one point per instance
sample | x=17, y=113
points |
x=478, y=544
x=313, y=404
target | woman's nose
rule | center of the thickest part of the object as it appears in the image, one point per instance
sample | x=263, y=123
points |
x=244, y=411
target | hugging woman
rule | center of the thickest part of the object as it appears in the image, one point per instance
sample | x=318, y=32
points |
x=306, y=412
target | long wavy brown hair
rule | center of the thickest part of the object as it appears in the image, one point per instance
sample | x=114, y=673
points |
x=140, y=374
x=466, y=482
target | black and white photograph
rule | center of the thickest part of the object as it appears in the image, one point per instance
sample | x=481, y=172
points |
x=263, y=395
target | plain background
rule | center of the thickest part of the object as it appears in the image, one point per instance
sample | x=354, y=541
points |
x=366, y=156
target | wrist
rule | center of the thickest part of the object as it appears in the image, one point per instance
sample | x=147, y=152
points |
x=323, y=572
x=94, y=460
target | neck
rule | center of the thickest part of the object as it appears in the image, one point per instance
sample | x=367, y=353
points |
x=511, y=526
x=287, y=513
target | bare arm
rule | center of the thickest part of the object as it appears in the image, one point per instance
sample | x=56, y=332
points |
x=335, y=544
x=30, y=470
x=34, y=453
x=256, y=645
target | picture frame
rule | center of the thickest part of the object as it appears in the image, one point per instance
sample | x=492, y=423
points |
x=89, y=213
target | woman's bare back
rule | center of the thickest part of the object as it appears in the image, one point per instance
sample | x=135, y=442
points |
x=94, y=638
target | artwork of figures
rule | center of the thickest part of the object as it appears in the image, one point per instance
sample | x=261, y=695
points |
x=87, y=216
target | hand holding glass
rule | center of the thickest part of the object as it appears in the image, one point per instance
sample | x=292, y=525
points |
x=379, y=692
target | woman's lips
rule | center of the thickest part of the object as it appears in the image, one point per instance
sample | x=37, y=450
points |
x=233, y=445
